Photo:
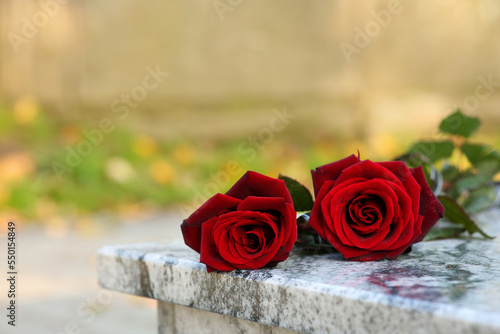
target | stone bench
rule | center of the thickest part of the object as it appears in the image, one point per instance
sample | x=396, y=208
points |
x=448, y=286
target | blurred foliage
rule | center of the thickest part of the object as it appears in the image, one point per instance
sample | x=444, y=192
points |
x=120, y=173
x=125, y=172
x=463, y=173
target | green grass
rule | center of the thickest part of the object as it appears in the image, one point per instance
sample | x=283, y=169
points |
x=131, y=172
x=124, y=170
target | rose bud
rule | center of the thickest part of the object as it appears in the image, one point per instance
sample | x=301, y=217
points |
x=252, y=226
x=372, y=210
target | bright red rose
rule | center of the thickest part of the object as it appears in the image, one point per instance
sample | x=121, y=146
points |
x=372, y=210
x=252, y=226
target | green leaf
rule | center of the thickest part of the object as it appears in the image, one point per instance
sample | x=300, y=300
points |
x=302, y=198
x=459, y=124
x=470, y=181
x=432, y=175
x=434, y=150
x=477, y=153
x=448, y=232
x=449, y=172
x=414, y=159
x=484, y=158
x=479, y=199
x=456, y=215
x=488, y=167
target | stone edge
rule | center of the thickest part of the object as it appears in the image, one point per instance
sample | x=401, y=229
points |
x=125, y=269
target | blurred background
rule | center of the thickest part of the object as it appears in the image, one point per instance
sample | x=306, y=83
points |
x=118, y=119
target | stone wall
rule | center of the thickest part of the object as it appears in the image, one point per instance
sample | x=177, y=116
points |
x=424, y=55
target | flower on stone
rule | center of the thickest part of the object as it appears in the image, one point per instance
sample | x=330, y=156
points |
x=252, y=226
x=372, y=210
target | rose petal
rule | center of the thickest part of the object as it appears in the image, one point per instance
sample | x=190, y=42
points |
x=373, y=170
x=258, y=185
x=209, y=254
x=316, y=219
x=346, y=215
x=368, y=170
x=330, y=172
x=370, y=256
x=366, y=213
x=401, y=222
x=280, y=256
x=348, y=191
x=401, y=171
x=343, y=229
x=288, y=225
x=430, y=207
x=234, y=224
x=389, y=255
x=226, y=234
x=191, y=227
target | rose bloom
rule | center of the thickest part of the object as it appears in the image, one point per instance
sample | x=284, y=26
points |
x=372, y=210
x=252, y=226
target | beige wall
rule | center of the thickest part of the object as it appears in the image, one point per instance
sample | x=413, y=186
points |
x=427, y=59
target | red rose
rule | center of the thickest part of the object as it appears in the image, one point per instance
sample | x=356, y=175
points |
x=253, y=225
x=372, y=210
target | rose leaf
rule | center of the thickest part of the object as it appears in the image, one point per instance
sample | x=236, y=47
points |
x=450, y=173
x=483, y=157
x=479, y=199
x=302, y=198
x=468, y=181
x=434, y=150
x=477, y=153
x=459, y=124
x=448, y=232
x=457, y=215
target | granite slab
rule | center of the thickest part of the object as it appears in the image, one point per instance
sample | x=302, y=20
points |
x=177, y=319
x=445, y=286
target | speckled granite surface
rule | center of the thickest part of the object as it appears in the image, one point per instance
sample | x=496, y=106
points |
x=186, y=320
x=448, y=286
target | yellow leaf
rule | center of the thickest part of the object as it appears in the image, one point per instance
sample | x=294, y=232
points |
x=162, y=172
x=144, y=146
x=184, y=154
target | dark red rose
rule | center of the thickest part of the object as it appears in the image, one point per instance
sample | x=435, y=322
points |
x=252, y=226
x=372, y=210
